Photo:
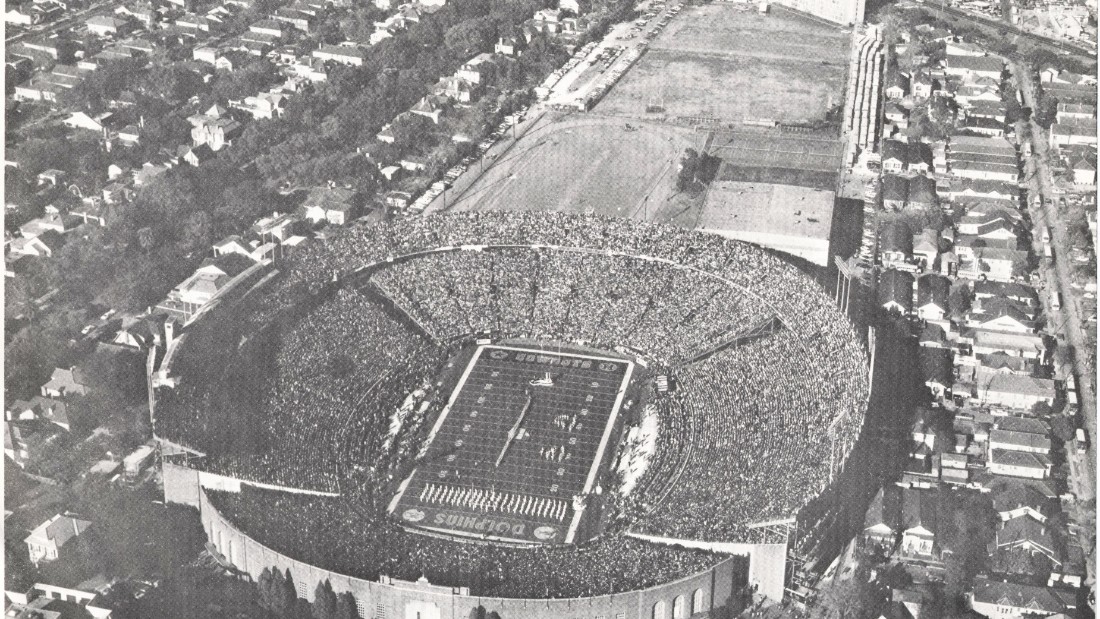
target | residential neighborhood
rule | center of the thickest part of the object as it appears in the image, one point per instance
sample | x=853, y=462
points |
x=169, y=163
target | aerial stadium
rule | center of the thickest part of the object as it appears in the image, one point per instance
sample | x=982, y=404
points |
x=529, y=414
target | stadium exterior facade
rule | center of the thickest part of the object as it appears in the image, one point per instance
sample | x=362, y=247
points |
x=700, y=592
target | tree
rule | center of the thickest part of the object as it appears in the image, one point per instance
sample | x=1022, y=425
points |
x=324, y=601
x=1046, y=111
x=689, y=167
x=345, y=607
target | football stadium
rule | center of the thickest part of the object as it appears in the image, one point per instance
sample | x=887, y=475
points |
x=529, y=414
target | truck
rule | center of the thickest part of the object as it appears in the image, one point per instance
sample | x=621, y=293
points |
x=1055, y=300
x=136, y=462
x=1081, y=442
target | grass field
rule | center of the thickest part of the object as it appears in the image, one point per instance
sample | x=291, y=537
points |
x=509, y=456
x=721, y=61
x=583, y=163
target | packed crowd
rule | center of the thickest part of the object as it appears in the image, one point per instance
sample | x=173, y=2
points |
x=761, y=449
x=751, y=428
x=669, y=312
x=333, y=534
x=325, y=410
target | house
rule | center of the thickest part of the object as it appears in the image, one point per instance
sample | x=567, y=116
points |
x=45, y=601
x=42, y=246
x=992, y=165
x=919, y=524
x=51, y=222
x=106, y=26
x=199, y=155
x=510, y=46
x=1068, y=111
x=973, y=66
x=897, y=115
x=1028, y=442
x=984, y=342
x=1021, y=294
x=1004, y=600
x=80, y=120
x=231, y=245
x=214, y=127
x=48, y=538
x=65, y=382
x=335, y=205
x=932, y=293
x=898, y=87
x=414, y=163
x=992, y=110
x=900, y=156
x=1000, y=314
x=926, y=248
x=1018, y=464
x=352, y=56
x=478, y=70
x=1007, y=364
x=194, y=22
x=1019, y=499
x=880, y=526
x=1082, y=161
x=895, y=291
x=298, y=19
x=265, y=105
x=129, y=135
x=936, y=370
x=1013, y=391
x=115, y=193
x=51, y=177
x=1073, y=131
x=992, y=263
x=984, y=126
x=268, y=27
x=430, y=107
x=922, y=193
x=990, y=223
x=895, y=191
x=923, y=85
x=398, y=199
x=896, y=243
x=45, y=409
x=455, y=88
x=933, y=336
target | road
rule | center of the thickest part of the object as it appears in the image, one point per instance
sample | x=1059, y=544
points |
x=1064, y=46
x=99, y=8
x=1066, y=322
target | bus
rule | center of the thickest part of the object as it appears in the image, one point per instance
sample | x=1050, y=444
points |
x=1047, y=234
x=1048, y=253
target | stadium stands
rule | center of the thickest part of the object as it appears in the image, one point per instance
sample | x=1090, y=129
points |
x=748, y=434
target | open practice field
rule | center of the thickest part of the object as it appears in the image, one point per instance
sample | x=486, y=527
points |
x=774, y=156
x=508, y=455
x=722, y=61
x=583, y=163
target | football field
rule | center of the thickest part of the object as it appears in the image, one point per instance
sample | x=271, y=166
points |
x=523, y=433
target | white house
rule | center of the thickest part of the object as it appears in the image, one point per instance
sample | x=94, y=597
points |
x=48, y=538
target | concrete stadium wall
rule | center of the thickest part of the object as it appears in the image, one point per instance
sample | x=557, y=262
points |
x=391, y=598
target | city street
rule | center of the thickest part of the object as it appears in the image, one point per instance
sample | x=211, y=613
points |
x=1066, y=322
